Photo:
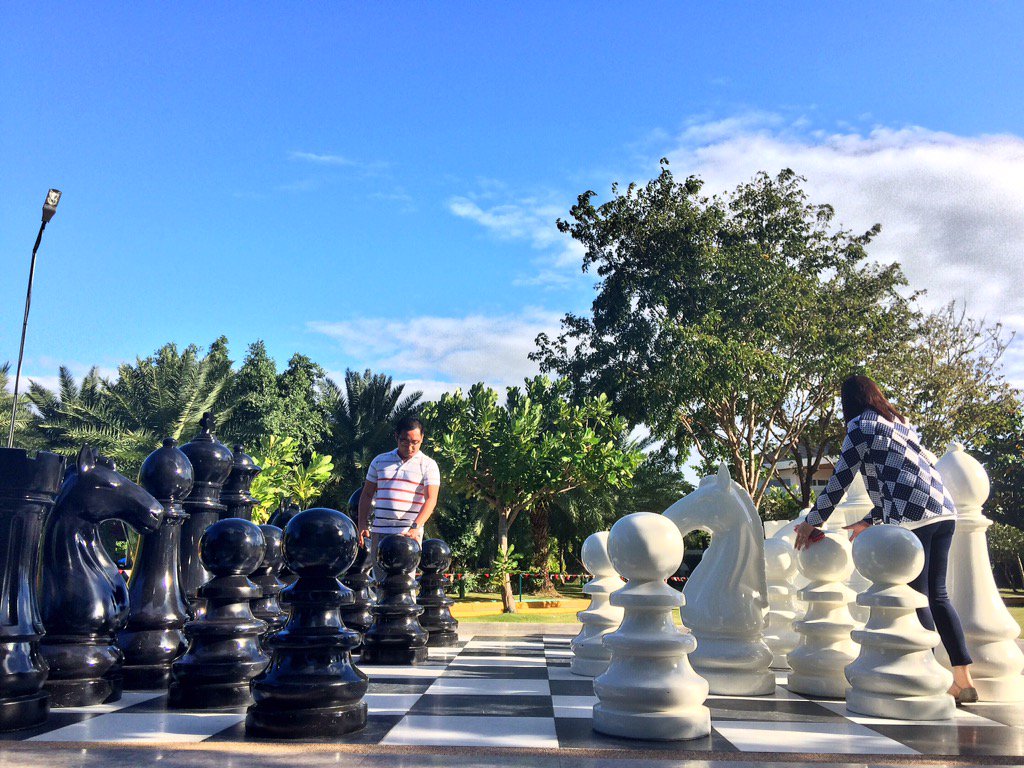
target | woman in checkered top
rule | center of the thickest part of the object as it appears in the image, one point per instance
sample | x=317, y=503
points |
x=906, y=490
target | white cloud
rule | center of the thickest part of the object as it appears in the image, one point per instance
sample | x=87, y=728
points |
x=321, y=159
x=951, y=207
x=438, y=354
x=532, y=220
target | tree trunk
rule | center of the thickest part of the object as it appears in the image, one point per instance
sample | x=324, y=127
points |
x=542, y=551
x=1020, y=572
x=508, y=598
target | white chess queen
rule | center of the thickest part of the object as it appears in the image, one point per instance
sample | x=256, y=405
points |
x=906, y=490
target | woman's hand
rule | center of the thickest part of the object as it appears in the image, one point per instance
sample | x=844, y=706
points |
x=856, y=529
x=803, y=535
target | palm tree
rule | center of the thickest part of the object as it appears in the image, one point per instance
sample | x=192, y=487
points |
x=160, y=396
x=23, y=415
x=361, y=417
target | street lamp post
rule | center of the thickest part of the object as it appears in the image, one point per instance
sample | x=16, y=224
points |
x=49, y=208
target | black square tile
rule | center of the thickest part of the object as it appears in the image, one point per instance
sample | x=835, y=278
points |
x=57, y=719
x=531, y=652
x=160, y=704
x=497, y=673
x=957, y=739
x=582, y=687
x=578, y=733
x=769, y=709
x=498, y=706
x=401, y=685
x=377, y=727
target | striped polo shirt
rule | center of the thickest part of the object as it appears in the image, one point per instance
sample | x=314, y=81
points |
x=401, y=489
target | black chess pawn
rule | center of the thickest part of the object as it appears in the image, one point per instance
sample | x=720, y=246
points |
x=280, y=518
x=266, y=607
x=153, y=636
x=236, y=494
x=28, y=486
x=437, y=615
x=224, y=652
x=396, y=636
x=358, y=615
x=83, y=600
x=311, y=689
x=211, y=465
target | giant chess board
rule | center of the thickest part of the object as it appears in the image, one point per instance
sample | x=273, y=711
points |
x=502, y=692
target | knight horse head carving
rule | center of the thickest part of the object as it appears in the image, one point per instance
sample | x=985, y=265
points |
x=727, y=593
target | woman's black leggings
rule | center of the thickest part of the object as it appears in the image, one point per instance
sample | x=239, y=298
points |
x=940, y=614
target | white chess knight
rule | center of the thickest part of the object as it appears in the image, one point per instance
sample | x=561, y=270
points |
x=896, y=674
x=989, y=629
x=590, y=657
x=780, y=568
x=727, y=593
x=649, y=690
x=825, y=645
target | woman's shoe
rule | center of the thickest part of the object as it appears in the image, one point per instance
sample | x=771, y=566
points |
x=968, y=695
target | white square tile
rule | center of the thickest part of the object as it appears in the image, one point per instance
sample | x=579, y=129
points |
x=469, y=686
x=558, y=654
x=128, y=699
x=498, y=661
x=429, y=730
x=960, y=717
x=390, y=703
x=395, y=670
x=825, y=738
x=145, y=726
x=574, y=706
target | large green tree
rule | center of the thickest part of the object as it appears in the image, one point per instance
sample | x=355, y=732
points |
x=725, y=324
x=23, y=435
x=526, y=453
x=257, y=411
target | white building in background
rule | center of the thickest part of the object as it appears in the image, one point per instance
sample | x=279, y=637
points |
x=786, y=475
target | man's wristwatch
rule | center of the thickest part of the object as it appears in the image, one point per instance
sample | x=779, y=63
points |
x=414, y=526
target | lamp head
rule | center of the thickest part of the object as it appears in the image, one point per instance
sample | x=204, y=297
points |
x=50, y=206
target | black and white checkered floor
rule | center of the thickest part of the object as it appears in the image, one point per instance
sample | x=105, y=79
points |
x=517, y=692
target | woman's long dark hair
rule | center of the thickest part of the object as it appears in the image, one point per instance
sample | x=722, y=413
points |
x=859, y=393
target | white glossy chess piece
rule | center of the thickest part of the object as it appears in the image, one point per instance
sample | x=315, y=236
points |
x=825, y=645
x=854, y=507
x=649, y=690
x=780, y=568
x=989, y=629
x=896, y=674
x=727, y=593
x=590, y=657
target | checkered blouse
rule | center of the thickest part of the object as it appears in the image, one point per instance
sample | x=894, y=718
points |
x=900, y=475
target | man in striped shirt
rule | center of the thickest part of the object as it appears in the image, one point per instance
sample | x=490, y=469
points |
x=401, y=487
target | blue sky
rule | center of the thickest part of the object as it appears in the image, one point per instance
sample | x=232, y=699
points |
x=377, y=184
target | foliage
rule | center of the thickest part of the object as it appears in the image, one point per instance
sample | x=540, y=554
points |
x=254, y=393
x=780, y=504
x=285, y=475
x=1006, y=547
x=23, y=436
x=360, y=418
x=526, y=453
x=1003, y=456
x=163, y=395
x=724, y=324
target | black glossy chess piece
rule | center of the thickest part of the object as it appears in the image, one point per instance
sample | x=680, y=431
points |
x=396, y=636
x=224, y=652
x=211, y=465
x=28, y=486
x=311, y=689
x=266, y=607
x=83, y=599
x=236, y=495
x=157, y=613
x=280, y=517
x=357, y=614
x=437, y=615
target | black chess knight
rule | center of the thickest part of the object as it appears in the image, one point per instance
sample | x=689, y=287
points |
x=311, y=689
x=396, y=636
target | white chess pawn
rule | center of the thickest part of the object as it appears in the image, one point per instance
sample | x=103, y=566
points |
x=590, y=657
x=854, y=507
x=649, y=690
x=780, y=568
x=896, y=674
x=825, y=646
x=989, y=629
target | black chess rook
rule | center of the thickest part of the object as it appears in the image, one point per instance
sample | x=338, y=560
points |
x=311, y=689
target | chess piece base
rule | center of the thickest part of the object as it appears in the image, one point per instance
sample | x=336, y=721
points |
x=378, y=655
x=24, y=711
x=324, y=723
x=588, y=667
x=442, y=639
x=659, y=726
x=817, y=685
x=724, y=683
x=152, y=677
x=912, y=708
x=209, y=696
x=1003, y=689
x=84, y=693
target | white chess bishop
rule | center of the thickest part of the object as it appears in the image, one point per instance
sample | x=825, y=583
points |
x=590, y=656
x=896, y=674
x=989, y=629
x=780, y=568
x=727, y=593
x=649, y=690
x=825, y=645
